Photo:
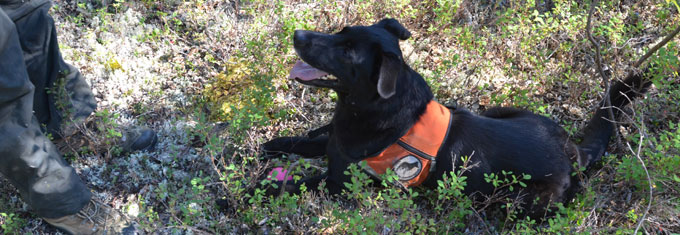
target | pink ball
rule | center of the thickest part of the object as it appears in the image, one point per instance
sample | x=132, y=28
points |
x=281, y=174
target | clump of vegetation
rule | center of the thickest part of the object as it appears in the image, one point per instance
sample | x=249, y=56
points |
x=11, y=223
x=225, y=93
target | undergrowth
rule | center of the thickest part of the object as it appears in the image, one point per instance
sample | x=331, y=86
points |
x=231, y=59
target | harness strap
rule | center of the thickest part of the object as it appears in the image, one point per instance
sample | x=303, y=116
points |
x=414, y=155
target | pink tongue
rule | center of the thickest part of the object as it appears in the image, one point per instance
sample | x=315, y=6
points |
x=305, y=72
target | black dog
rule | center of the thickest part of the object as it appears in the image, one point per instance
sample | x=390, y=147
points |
x=380, y=99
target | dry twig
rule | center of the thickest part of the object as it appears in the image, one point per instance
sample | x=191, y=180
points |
x=643, y=134
x=656, y=47
x=607, y=98
x=649, y=179
x=605, y=77
x=598, y=62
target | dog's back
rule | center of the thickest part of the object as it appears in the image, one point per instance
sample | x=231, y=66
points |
x=521, y=142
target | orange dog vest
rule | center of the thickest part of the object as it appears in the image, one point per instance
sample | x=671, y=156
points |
x=413, y=156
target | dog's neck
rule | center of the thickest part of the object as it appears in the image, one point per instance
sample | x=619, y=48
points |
x=364, y=129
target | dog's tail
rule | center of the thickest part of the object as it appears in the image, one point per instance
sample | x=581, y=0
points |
x=600, y=128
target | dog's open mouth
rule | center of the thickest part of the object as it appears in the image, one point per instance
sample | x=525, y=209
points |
x=308, y=75
x=306, y=72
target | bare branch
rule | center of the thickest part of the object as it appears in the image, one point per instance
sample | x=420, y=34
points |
x=598, y=60
x=642, y=132
x=656, y=47
x=649, y=178
x=605, y=78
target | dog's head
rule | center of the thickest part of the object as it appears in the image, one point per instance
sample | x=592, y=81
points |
x=366, y=60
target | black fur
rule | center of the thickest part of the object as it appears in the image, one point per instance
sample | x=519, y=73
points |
x=381, y=97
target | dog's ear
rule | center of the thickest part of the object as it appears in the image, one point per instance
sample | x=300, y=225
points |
x=389, y=72
x=392, y=61
x=393, y=26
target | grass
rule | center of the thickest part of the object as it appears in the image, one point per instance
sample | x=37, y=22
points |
x=211, y=77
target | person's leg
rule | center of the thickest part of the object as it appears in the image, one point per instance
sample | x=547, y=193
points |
x=31, y=162
x=61, y=92
x=62, y=98
x=27, y=158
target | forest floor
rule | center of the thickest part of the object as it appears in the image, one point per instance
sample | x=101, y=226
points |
x=211, y=78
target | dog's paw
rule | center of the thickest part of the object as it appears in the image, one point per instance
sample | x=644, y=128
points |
x=277, y=147
x=271, y=149
x=277, y=144
x=268, y=154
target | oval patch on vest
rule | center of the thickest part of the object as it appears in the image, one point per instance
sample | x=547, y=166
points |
x=408, y=167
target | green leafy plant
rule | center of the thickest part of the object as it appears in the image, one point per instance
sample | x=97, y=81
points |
x=11, y=223
x=107, y=125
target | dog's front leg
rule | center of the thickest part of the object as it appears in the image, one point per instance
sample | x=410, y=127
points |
x=320, y=131
x=303, y=146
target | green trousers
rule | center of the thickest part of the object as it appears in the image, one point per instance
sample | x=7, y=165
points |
x=30, y=64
